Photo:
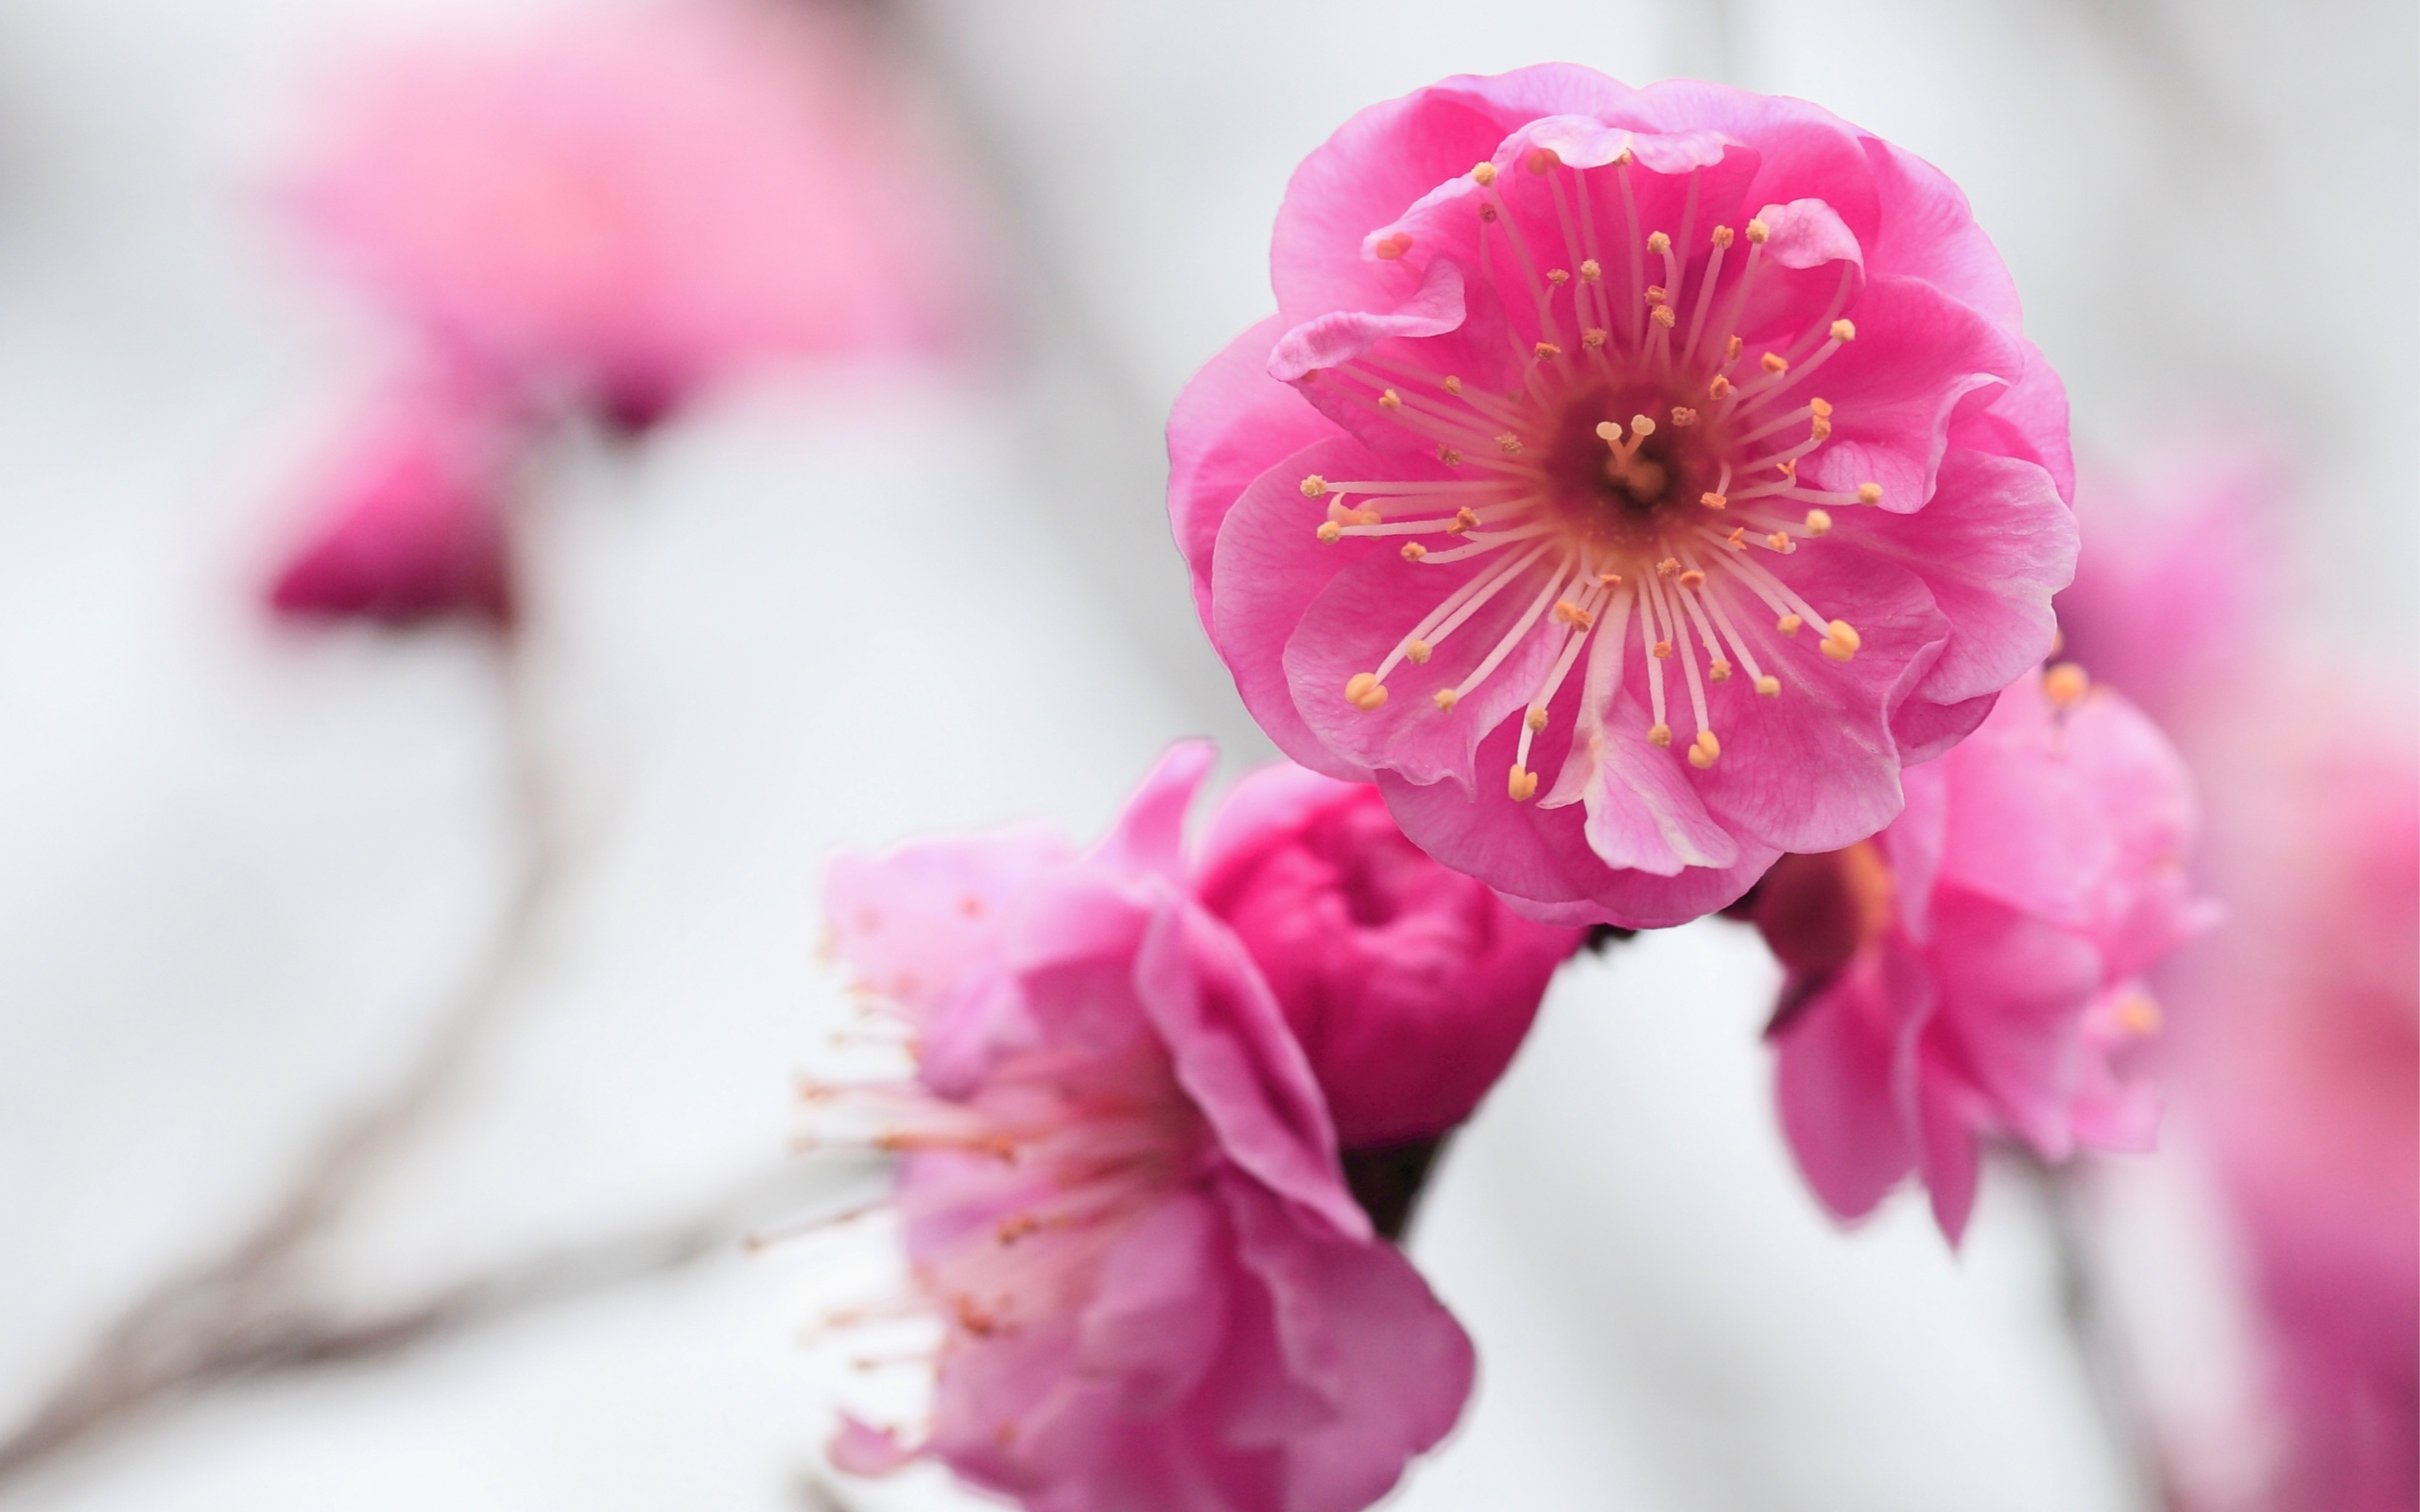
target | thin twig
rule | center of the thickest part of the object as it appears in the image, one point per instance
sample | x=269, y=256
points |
x=236, y=1315
x=2084, y=1309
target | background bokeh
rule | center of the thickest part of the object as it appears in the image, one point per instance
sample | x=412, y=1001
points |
x=840, y=604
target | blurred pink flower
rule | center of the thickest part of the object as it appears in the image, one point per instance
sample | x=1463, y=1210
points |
x=1121, y=1192
x=1977, y=969
x=2176, y=569
x=1409, y=986
x=406, y=520
x=1709, y=385
x=2298, y=1058
x=622, y=205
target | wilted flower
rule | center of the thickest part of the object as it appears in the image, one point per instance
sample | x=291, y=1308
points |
x=1975, y=969
x=618, y=208
x=1409, y=985
x=1674, y=452
x=406, y=520
x=1120, y=1192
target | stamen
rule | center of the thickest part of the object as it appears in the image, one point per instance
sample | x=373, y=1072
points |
x=2066, y=685
x=1364, y=691
x=1841, y=643
x=1556, y=582
x=1706, y=292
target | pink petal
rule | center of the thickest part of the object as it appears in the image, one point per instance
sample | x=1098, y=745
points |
x=1835, y=1079
x=1230, y=426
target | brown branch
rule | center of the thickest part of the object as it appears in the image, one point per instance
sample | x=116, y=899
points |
x=238, y=1313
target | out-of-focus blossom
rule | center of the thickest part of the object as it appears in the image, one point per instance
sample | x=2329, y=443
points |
x=2177, y=568
x=1120, y=1192
x=2298, y=1059
x=1409, y=986
x=406, y=521
x=622, y=205
x=2295, y=1045
x=1685, y=411
x=1975, y=969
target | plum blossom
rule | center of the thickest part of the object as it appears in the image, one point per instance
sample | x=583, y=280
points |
x=1120, y=1190
x=1978, y=968
x=1675, y=452
x=616, y=209
x=406, y=520
x=1409, y=985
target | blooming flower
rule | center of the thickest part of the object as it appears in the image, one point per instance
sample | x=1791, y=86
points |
x=1409, y=986
x=1674, y=452
x=1120, y=1192
x=620, y=208
x=408, y=519
x=1976, y=967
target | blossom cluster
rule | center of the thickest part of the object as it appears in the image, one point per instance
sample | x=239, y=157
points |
x=1678, y=454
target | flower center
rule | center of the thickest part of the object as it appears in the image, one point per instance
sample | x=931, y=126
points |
x=1645, y=462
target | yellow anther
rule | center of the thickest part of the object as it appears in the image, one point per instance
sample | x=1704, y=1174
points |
x=1720, y=386
x=1521, y=785
x=1558, y=277
x=1364, y=691
x=1390, y=400
x=1394, y=247
x=1844, y=329
x=1314, y=486
x=1485, y=173
x=1714, y=500
x=1641, y=425
x=1660, y=736
x=1705, y=750
x=1822, y=408
x=1542, y=160
x=1416, y=652
x=1779, y=540
x=1662, y=650
x=1820, y=430
x=1693, y=579
x=1546, y=350
x=1610, y=579
x=1818, y=523
x=1452, y=384
x=1668, y=566
x=1465, y=518
x=1868, y=493
x=1446, y=699
x=1738, y=540
x=2066, y=685
x=1449, y=456
x=1331, y=532
x=1723, y=236
x=1592, y=338
x=1413, y=551
x=1510, y=443
x=1730, y=347
x=1758, y=233
x=1768, y=686
x=2138, y=1015
x=1719, y=670
x=1773, y=362
x=1567, y=612
x=1535, y=719
x=1591, y=271
x=1662, y=314
x=1655, y=294
x=1787, y=467
x=1658, y=243
x=1683, y=417
x=1788, y=624
x=1841, y=643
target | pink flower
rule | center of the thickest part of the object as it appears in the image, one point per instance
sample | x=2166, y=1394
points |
x=1409, y=986
x=1976, y=968
x=408, y=519
x=2298, y=1058
x=1120, y=1192
x=622, y=207
x=1686, y=410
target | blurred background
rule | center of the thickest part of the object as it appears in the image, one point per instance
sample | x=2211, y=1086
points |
x=549, y=866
